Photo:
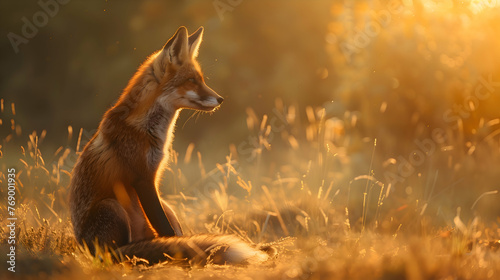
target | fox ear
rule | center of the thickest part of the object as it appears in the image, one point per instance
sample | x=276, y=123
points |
x=176, y=48
x=194, y=42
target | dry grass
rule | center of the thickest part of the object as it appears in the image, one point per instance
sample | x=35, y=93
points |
x=336, y=231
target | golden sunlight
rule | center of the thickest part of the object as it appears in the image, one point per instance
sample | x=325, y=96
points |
x=473, y=6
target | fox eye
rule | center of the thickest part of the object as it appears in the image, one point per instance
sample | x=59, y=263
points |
x=192, y=80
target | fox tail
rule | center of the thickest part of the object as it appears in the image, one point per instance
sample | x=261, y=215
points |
x=197, y=250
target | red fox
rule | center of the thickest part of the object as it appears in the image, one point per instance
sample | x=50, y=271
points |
x=114, y=188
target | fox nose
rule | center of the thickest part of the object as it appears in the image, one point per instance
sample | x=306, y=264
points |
x=220, y=99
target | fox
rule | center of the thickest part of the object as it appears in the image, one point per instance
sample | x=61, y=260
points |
x=114, y=196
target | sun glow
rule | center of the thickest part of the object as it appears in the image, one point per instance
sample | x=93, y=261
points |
x=472, y=6
x=477, y=6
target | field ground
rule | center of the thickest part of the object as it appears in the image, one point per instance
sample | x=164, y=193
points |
x=325, y=224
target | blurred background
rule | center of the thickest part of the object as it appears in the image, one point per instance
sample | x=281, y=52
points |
x=406, y=92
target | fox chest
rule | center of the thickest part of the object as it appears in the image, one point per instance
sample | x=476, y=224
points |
x=155, y=157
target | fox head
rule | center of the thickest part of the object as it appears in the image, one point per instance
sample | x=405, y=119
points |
x=179, y=76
